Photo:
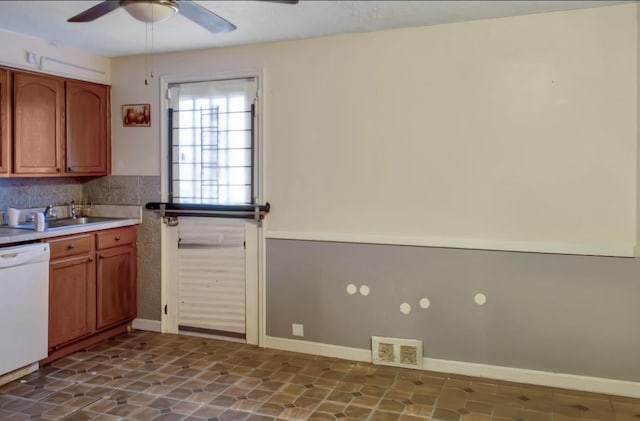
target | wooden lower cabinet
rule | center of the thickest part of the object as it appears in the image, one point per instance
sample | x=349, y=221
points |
x=72, y=291
x=116, y=286
x=92, y=288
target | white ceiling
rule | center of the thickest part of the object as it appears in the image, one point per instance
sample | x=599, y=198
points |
x=117, y=33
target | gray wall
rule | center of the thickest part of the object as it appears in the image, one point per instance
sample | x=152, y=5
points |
x=112, y=190
x=557, y=313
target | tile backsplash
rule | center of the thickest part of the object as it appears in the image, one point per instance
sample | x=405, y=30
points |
x=38, y=192
x=112, y=190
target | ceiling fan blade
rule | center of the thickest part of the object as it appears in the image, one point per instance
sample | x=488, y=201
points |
x=96, y=11
x=204, y=17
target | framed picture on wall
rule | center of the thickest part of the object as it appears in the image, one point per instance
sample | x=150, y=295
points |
x=136, y=115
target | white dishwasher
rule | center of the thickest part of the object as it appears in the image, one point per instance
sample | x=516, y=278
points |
x=24, y=305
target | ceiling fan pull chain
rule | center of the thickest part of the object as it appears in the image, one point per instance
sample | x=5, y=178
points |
x=146, y=52
x=148, y=55
x=152, y=34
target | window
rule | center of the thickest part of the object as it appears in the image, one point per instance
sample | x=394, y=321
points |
x=211, y=141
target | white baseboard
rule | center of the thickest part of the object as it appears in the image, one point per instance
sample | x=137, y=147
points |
x=146, y=324
x=536, y=377
x=317, y=348
x=519, y=375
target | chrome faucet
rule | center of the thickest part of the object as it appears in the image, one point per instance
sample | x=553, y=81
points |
x=72, y=209
x=49, y=212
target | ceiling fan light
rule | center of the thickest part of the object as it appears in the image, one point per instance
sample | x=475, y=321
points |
x=150, y=10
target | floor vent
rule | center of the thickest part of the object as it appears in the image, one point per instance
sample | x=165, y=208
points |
x=396, y=352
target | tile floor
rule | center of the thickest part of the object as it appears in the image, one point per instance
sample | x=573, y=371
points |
x=145, y=376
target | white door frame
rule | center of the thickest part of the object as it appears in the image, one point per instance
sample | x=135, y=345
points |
x=255, y=242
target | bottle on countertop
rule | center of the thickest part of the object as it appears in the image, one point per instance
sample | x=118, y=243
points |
x=40, y=225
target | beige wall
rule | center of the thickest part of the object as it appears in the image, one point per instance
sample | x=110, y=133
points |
x=539, y=111
x=515, y=133
x=638, y=133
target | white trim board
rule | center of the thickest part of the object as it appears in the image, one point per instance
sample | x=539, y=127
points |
x=156, y=326
x=146, y=324
x=519, y=375
x=617, y=250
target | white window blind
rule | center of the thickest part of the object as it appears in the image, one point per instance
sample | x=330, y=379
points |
x=212, y=142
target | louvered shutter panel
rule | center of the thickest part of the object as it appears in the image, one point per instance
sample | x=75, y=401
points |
x=211, y=271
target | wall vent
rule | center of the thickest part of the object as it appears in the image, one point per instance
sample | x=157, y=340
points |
x=396, y=352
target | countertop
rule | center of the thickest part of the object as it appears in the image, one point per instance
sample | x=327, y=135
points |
x=122, y=216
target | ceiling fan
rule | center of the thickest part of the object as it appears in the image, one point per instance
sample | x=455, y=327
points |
x=159, y=10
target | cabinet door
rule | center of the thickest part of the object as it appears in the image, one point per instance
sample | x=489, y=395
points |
x=87, y=128
x=39, y=129
x=5, y=121
x=116, y=286
x=72, y=292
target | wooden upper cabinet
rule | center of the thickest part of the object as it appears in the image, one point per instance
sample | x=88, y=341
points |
x=5, y=121
x=39, y=124
x=61, y=127
x=88, y=139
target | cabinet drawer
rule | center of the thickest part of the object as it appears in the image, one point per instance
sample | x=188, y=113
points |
x=116, y=237
x=71, y=246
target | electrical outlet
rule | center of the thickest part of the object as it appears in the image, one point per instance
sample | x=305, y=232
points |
x=297, y=329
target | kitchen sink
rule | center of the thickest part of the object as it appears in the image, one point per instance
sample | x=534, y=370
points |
x=54, y=224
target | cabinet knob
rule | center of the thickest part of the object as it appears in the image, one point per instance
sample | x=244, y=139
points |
x=117, y=238
x=90, y=259
x=57, y=169
x=71, y=246
x=70, y=169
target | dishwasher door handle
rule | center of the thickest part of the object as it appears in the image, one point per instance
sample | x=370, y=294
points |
x=12, y=258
